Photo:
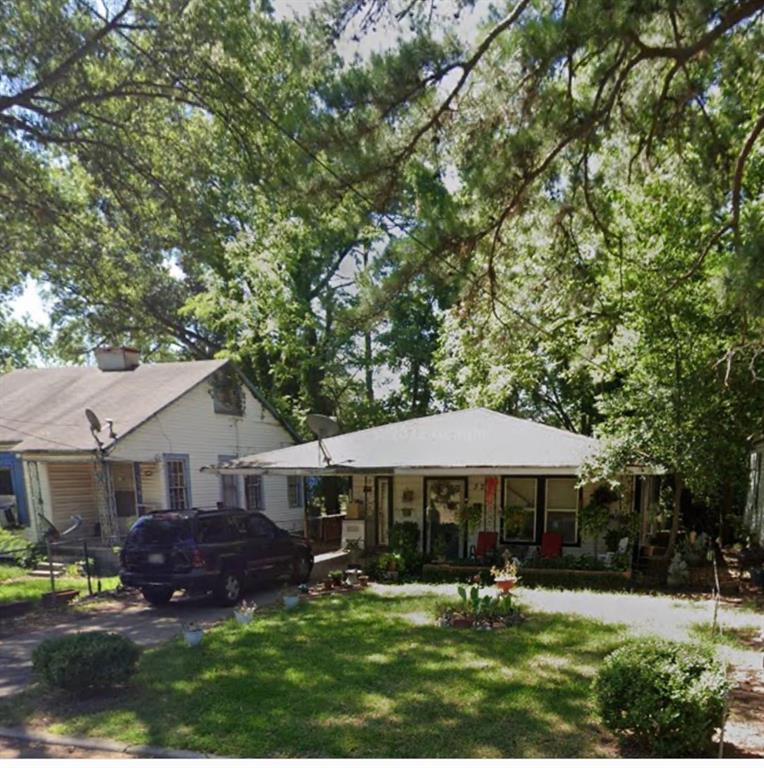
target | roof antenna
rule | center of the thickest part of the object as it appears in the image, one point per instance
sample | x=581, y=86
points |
x=323, y=427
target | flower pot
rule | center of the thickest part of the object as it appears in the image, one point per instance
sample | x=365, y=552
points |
x=505, y=585
x=193, y=637
x=363, y=581
x=60, y=597
x=243, y=617
x=291, y=601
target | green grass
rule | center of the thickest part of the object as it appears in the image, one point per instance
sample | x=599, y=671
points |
x=16, y=585
x=357, y=675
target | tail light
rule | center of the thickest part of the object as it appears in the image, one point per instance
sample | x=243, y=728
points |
x=197, y=559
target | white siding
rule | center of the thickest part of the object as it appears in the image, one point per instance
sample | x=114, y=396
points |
x=190, y=426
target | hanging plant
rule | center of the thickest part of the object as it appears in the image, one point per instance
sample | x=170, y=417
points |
x=471, y=514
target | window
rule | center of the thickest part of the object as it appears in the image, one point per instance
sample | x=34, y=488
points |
x=519, y=517
x=562, y=508
x=6, y=486
x=178, y=495
x=259, y=526
x=229, y=486
x=213, y=530
x=294, y=491
x=253, y=491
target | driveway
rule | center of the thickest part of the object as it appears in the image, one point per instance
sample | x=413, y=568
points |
x=129, y=615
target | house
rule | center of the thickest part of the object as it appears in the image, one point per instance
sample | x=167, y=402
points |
x=517, y=477
x=108, y=443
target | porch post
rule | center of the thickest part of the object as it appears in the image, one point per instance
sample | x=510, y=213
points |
x=107, y=510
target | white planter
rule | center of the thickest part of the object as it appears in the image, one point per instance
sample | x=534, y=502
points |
x=243, y=618
x=193, y=637
x=291, y=601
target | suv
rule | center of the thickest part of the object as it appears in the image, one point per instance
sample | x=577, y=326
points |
x=202, y=550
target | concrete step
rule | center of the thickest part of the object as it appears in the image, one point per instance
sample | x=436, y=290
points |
x=43, y=573
x=46, y=564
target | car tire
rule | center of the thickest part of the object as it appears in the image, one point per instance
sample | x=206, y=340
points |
x=158, y=595
x=301, y=568
x=228, y=589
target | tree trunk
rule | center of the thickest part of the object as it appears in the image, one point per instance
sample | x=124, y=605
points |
x=678, y=488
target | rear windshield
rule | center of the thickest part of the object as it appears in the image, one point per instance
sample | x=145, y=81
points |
x=159, y=532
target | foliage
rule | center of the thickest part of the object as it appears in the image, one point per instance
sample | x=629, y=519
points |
x=391, y=561
x=471, y=515
x=668, y=696
x=404, y=538
x=17, y=548
x=506, y=571
x=579, y=563
x=86, y=660
x=595, y=516
x=476, y=606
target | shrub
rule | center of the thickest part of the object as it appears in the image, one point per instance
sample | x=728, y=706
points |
x=667, y=696
x=86, y=660
x=17, y=548
x=404, y=538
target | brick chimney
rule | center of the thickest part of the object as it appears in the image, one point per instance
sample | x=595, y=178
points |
x=117, y=358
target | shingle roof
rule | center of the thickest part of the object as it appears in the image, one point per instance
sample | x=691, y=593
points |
x=473, y=438
x=43, y=409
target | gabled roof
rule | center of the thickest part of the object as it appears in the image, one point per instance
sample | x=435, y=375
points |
x=43, y=409
x=476, y=438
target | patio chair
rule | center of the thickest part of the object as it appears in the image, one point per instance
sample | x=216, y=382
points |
x=487, y=541
x=551, y=544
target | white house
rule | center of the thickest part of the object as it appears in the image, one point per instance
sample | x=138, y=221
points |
x=159, y=424
x=520, y=478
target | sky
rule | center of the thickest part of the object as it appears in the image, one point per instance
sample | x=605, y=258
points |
x=32, y=304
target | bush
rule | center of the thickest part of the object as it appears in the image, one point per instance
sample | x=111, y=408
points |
x=404, y=538
x=16, y=548
x=86, y=660
x=669, y=697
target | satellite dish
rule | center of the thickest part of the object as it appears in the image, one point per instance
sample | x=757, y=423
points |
x=95, y=424
x=322, y=426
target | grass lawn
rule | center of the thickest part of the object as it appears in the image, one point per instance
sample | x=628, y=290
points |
x=355, y=675
x=15, y=584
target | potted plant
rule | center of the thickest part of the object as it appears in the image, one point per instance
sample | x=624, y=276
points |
x=244, y=612
x=390, y=563
x=363, y=580
x=505, y=576
x=192, y=634
x=336, y=577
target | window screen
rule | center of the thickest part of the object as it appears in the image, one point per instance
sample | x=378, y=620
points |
x=294, y=491
x=253, y=490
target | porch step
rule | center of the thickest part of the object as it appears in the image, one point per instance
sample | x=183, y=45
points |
x=45, y=572
x=46, y=564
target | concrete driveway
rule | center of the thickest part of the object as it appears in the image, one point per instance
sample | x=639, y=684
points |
x=129, y=615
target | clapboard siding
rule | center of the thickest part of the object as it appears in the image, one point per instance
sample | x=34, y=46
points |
x=73, y=492
x=190, y=426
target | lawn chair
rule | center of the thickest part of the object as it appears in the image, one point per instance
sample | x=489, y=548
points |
x=551, y=544
x=485, y=547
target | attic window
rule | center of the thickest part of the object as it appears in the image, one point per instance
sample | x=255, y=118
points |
x=227, y=394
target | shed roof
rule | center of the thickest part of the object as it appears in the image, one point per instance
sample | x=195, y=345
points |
x=43, y=409
x=475, y=439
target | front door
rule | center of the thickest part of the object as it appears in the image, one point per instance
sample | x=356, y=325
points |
x=445, y=498
x=384, y=509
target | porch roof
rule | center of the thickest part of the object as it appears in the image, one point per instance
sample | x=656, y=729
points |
x=477, y=439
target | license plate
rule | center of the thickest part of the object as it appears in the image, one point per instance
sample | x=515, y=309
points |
x=156, y=558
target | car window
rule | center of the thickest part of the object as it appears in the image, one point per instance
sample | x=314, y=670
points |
x=259, y=526
x=158, y=531
x=214, y=529
x=239, y=526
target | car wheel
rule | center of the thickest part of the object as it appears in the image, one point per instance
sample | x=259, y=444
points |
x=301, y=568
x=228, y=589
x=158, y=595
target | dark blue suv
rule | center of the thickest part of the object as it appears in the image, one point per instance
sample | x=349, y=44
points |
x=209, y=550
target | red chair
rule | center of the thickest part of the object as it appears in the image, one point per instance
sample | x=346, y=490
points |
x=487, y=542
x=551, y=544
